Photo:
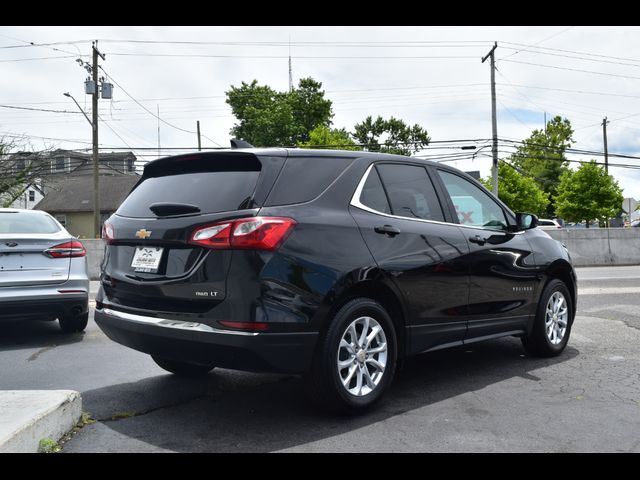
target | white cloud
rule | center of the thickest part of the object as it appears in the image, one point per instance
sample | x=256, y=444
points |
x=446, y=112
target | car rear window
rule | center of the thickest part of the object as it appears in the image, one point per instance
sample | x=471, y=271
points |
x=27, y=222
x=212, y=183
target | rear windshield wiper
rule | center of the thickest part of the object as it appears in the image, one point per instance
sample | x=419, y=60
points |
x=168, y=209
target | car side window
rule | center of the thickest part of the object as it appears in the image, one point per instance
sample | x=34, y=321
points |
x=373, y=195
x=473, y=206
x=410, y=191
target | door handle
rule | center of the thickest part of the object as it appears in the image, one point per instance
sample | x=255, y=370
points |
x=478, y=239
x=387, y=230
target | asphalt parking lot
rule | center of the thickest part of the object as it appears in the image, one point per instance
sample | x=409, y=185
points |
x=485, y=398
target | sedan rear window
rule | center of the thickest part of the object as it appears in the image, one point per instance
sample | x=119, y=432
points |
x=27, y=222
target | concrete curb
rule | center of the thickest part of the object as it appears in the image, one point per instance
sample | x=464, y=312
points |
x=28, y=416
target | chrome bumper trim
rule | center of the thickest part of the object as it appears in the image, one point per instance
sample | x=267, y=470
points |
x=177, y=324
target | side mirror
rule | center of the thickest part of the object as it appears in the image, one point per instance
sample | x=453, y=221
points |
x=526, y=221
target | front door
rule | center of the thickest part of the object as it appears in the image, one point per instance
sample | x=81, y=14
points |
x=501, y=266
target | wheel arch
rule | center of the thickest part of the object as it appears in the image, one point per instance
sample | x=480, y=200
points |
x=381, y=292
x=563, y=271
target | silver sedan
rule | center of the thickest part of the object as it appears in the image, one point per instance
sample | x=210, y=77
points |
x=43, y=270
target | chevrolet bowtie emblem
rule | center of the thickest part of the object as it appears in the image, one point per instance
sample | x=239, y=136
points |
x=143, y=233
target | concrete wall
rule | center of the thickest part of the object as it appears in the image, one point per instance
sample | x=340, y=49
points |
x=95, y=252
x=588, y=247
x=601, y=246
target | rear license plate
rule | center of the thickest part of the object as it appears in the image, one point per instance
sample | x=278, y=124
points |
x=147, y=259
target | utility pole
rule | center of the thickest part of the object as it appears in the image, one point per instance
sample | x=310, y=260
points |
x=158, y=109
x=494, y=120
x=97, y=230
x=199, y=144
x=606, y=151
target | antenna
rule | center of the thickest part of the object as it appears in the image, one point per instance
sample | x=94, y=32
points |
x=290, y=72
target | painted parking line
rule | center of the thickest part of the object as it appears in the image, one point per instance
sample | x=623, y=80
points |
x=608, y=291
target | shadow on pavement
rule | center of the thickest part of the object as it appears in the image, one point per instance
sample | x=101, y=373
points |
x=241, y=412
x=34, y=334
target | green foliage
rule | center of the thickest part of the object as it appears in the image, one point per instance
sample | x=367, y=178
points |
x=47, y=445
x=270, y=118
x=543, y=156
x=400, y=138
x=588, y=193
x=330, y=138
x=519, y=192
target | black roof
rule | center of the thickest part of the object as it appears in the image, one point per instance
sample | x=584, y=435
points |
x=291, y=153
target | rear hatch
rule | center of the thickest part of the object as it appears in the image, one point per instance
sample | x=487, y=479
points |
x=25, y=238
x=150, y=263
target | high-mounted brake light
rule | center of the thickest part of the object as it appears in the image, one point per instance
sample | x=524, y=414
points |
x=108, y=232
x=66, y=250
x=253, y=233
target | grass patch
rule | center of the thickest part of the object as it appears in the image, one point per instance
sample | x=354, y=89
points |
x=47, y=445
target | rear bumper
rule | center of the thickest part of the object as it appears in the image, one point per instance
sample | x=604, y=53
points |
x=200, y=343
x=37, y=302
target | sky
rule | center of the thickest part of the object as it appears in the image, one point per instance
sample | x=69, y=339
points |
x=431, y=76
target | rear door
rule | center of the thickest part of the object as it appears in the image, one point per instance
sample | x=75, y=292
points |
x=149, y=263
x=403, y=224
x=501, y=265
x=24, y=239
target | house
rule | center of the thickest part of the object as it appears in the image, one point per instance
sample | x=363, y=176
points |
x=50, y=168
x=70, y=198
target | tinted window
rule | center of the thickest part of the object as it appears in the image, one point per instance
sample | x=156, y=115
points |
x=26, y=222
x=473, y=206
x=545, y=222
x=304, y=178
x=373, y=195
x=210, y=191
x=410, y=191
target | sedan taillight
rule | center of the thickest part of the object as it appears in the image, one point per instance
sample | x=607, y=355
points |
x=66, y=250
x=253, y=233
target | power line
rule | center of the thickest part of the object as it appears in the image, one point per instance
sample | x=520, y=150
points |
x=37, y=58
x=574, y=52
x=150, y=112
x=304, y=57
x=537, y=43
x=573, y=69
x=38, y=109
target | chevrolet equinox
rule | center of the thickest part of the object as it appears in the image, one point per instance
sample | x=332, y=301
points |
x=330, y=264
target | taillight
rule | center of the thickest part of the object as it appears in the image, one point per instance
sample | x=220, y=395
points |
x=254, y=233
x=108, y=232
x=66, y=250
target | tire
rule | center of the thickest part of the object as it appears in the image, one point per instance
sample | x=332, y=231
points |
x=182, y=369
x=345, y=388
x=547, y=337
x=73, y=323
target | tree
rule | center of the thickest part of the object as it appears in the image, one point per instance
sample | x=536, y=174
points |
x=521, y=193
x=18, y=169
x=399, y=138
x=270, y=118
x=331, y=138
x=542, y=156
x=587, y=194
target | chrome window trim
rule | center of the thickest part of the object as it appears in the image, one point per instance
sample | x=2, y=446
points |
x=355, y=202
x=176, y=324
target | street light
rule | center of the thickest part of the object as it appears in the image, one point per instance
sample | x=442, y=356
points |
x=96, y=178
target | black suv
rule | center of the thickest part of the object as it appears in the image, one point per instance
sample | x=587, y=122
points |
x=331, y=264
